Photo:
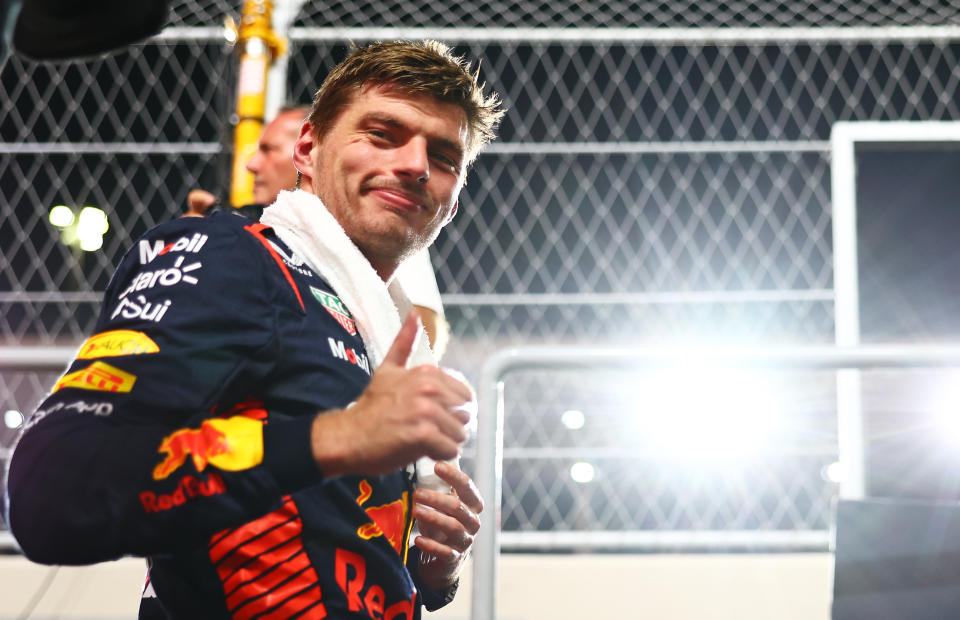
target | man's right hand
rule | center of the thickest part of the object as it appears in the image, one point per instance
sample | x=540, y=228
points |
x=402, y=414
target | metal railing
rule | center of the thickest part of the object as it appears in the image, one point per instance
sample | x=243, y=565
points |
x=847, y=361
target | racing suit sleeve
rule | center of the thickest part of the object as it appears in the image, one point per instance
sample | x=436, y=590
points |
x=431, y=599
x=150, y=441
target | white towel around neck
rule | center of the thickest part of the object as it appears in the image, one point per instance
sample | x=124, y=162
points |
x=302, y=221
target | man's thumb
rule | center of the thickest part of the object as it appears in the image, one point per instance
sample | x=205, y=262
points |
x=402, y=345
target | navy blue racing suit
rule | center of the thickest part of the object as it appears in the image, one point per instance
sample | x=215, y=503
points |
x=181, y=432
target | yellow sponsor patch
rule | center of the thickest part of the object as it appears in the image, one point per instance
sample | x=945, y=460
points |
x=117, y=342
x=98, y=376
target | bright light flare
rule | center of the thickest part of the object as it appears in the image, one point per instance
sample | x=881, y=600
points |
x=92, y=221
x=944, y=399
x=573, y=419
x=950, y=423
x=582, y=472
x=12, y=418
x=701, y=414
x=91, y=243
x=91, y=226
x=61, y=216
x=833, y=472
x=230, y=33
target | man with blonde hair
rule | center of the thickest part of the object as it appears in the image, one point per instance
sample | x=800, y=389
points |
x=249, y=409
x=273, y=172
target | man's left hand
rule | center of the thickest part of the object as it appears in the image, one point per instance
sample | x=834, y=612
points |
x=448, y=522
x=199, y=202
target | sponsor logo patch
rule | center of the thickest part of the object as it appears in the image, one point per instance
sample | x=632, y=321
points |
x=340, y=351
x=336, y=309
x=292, y=260
x=149, y=250
x=188, y=488
x=115, y=343
x=350, y=571
x=169, y=276
x=231, y=444
x=98, y=376
x=140, y=308
x=79, y=406
x=388, y=520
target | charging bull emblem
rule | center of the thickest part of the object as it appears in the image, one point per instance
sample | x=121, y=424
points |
x=388, y=520
x=231, y=444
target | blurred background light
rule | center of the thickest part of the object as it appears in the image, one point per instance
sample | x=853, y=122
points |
x=833, y=472
x=945, y=405
x=91, y=243
x=12, y=418
x=695, y=414
x=92, y=221
x=230, y=33
x=85, y=230
x=573, y=419
x=61, y=216
x=582, y=472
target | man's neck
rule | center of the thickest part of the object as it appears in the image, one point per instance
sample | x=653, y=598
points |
x=385, y=267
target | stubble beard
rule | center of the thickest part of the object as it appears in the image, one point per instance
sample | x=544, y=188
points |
x=380, y=240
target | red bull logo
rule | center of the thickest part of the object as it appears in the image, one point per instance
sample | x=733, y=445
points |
x=232, y=444
x=388, y=520
x=350, y=572
x=187, y=489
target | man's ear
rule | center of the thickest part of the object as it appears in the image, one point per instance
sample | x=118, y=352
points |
x=302, y=150
x=453, y=212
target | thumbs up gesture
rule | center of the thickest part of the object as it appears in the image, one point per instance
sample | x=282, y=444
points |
x=402, y=414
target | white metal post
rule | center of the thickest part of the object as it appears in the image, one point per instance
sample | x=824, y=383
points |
x=843, y=170
x=846, y=312
x=489, y=476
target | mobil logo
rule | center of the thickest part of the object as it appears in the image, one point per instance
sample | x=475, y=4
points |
x=347, y=354
x=149, y=250
x=388, y=520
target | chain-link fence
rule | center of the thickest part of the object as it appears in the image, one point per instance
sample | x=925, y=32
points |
x=662, y=176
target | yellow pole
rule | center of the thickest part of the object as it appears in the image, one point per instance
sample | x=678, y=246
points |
x=257, y=45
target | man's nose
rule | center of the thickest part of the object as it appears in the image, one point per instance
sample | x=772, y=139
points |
x=253, y=164
x=412, y=160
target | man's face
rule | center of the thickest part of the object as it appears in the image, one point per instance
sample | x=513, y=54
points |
x=272, y=164
x=390, y=169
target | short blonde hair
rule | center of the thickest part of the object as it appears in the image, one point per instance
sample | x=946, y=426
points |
x=418, y=68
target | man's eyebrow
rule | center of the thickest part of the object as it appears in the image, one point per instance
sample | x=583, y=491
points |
x=390, y=121
x=386, y=119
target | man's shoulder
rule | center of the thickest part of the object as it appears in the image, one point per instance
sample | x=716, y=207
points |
x=220, y=244
x=221, y=230
x=220, y=221
x=200, y=260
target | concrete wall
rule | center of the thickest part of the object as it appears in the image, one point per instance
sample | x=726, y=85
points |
x=532, y=587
